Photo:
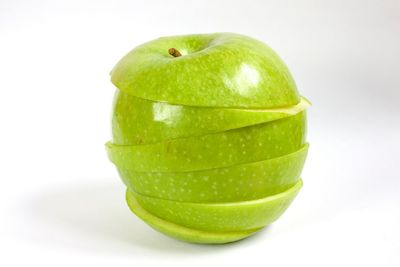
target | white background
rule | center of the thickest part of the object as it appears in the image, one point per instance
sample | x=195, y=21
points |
x=61, y=201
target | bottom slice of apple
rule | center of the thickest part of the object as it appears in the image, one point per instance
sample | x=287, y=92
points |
x=219, y=217
x=184, y=233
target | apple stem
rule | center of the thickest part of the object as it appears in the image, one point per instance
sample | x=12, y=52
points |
x=174, y=52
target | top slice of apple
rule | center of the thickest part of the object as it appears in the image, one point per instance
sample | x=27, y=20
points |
x=210, y=70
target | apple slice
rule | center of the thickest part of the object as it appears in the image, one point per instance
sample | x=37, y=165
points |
x=216, y=217
x=138, y=121
x=184, y=233
x=243, y=145
x=237, y=183
x=219, y=70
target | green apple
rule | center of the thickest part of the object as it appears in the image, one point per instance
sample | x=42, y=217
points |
x=138, y=121
x=218, y=70
x=219, y=217
x=208, y=134
x=243, y=145
x=237, y=183
x=184, y=233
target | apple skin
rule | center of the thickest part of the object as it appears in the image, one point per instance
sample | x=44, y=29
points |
x=243, y=145
x=218, y=70
x=137, y=121
x=236, y=183
x=219, y=217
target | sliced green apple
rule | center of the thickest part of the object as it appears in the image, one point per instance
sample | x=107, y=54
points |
x=215, y=217
x=184, y=233
x=219, y=70
x=243, y=145
x=138, y=121
x=237, y=183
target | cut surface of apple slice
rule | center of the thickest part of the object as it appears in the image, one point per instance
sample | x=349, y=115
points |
x=231, y=216
x=219, y=70
x=243, y=145
x=237, y=183
x=184, y=233
x=138, y=121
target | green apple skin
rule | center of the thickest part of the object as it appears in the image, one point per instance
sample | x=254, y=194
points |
x=137, y=121
x=219, y=217
x=184, y=233
x=218, y=70
x=237, y=183
x=243, y=145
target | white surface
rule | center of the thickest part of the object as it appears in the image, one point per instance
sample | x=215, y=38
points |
x=61, y=202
